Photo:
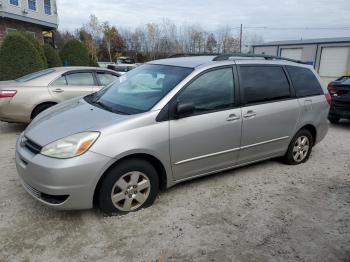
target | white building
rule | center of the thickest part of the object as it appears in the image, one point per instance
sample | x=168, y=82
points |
x=38, y=17
x=329, y=56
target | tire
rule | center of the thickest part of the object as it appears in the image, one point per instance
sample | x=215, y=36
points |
x=40, y=108
x=333, y=119
x=128, y=195
x=292, y=157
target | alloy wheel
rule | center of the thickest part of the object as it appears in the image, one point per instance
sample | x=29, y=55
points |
x=301, y=148
x=130, y=191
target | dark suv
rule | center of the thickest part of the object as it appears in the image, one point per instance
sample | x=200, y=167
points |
x=340, y=92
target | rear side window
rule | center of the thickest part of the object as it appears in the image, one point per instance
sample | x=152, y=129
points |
x=211, y=91
x=106, y=78
x=264, y=83
x=80, y=79
x=61, y=81
x=304, y=81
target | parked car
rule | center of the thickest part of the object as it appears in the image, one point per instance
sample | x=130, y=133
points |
x=122, y=68
x=23, y=99
x=340, y=92
x=104, y=64
x=200, y=115
x=125, y=60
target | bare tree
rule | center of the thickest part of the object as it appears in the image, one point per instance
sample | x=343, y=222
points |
x=91, y=33
x=211, y=43
x=111, y=40
x=157, y=40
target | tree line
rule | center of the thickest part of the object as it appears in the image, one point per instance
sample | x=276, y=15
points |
x=106, y=42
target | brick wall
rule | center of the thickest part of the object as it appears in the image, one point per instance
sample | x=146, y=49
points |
x=20, y=26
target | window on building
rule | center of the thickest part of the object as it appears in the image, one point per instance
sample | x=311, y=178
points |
x=304, y=81
x=10, y=30
x=14, y=2
x=32, y=5
x=47, y=7
x=31, y=33
x=264, y=83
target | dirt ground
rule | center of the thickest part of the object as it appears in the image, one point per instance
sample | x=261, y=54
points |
x=264, y=212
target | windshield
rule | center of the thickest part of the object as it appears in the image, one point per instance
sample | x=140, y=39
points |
x=35, y=75
x=140, y=89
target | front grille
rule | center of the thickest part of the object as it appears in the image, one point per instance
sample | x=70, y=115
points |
x=32, y=190
x=32, y=146
x=51, y=199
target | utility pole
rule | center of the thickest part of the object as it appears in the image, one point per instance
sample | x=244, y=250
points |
x=240, y=39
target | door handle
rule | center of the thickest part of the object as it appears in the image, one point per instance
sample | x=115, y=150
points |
x=232, y=117
x=58, y=90
x=250, y=114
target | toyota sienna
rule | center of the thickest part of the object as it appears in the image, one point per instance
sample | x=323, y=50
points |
x=168, y=121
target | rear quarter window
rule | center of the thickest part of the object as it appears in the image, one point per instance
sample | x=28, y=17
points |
x=304, y=81
x=264, y=83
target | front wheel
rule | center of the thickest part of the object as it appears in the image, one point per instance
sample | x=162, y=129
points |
x=129, y=186
x=300, y=147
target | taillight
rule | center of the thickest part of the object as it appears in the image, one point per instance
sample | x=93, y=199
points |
x=328, y=98
x=332, y=90
x=7, y=93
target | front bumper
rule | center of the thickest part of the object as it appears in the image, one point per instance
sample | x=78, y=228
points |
x=60, y=183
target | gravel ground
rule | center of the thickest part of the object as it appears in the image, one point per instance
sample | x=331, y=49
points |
x=264, y=212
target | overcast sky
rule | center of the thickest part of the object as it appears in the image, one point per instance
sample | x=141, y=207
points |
x=213, y=14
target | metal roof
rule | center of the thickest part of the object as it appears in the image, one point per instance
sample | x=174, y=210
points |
x=307, y=41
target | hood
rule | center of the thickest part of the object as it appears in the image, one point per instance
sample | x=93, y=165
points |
x=68, y=118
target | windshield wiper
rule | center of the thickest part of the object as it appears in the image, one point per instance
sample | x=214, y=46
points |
x=102, y=105
x=108, y=108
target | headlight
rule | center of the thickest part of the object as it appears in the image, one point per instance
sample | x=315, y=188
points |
x=70, y=146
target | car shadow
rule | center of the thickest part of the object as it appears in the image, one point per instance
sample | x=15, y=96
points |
x=7, y=128
x=342, y=124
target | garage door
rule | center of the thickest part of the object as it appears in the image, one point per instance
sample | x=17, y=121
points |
x=333, y=61
x=292, y=53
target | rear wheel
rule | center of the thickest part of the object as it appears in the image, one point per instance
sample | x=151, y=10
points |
x=129, y=186
x=300, y=147
x=333, y=119
x=40, y=108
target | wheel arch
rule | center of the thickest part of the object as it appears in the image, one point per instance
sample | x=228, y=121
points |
x=312, y=130
x=154, y=161
x=41, y=104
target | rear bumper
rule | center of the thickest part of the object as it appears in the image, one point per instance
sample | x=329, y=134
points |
x=10, y=113
x=340, y=111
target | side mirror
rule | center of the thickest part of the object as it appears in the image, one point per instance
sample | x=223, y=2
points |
x=184, y=109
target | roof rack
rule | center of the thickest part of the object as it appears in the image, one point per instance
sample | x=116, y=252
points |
x=193, y=54
x=223, y=57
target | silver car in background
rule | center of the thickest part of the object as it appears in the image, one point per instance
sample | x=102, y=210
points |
x=168, y=121
x=24, y=98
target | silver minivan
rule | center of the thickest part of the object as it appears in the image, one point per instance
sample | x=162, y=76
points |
x=168, y=121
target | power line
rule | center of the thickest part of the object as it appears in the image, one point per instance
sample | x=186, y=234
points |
x=293, y=28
